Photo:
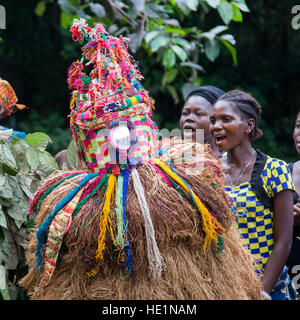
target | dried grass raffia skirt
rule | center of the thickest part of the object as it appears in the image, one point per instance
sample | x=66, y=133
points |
x=189, y=271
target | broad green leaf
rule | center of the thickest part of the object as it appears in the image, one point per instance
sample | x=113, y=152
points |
x=213, y=3
x=14, y=182
x=231, y=49
x=172, y=22
x=46, y=159
x=155, y=11
x=229, y=38
x=204, y=6
x=2, y=277
x=40, y=8
x=225, y=11
x=9, y=170
x=38, y=139
x=187, y=88
x=169, y=76
x=18, y=211
x=192, y=4
x=179, y=52
x=67, y=6
x=182, y=42
x=213, y=32
x=66, y=20
x=98, y=10
x=12, y=290
x=170, y=29
x=3, y=223
x=169, y=58
x=13, y=257
x=44, y=171
x=5, y=294
x=6, y=155
x=6, y=134
x=20, y=146
x=192, y=65
x=6, y=191
x=2, y=256
x=4, y=245
x=159, y=22
x=136, y=40
x=151, y=12
x=2, y=181
x=159, y=41
x=25, y=183
x=173, y=2
x=242, y=5
x=237, y=15
x=32, y=156
x=182, y=4
x=212, y=49
x=72, y=157
x=20, y=157
x=151, y=35
x=75, y=2
x=173, y=93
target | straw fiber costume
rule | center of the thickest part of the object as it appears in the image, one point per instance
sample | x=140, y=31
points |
x=136, y=222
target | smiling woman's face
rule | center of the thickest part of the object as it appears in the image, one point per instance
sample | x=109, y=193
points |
x=195, y=115
x=227, y=126
x=297, y=133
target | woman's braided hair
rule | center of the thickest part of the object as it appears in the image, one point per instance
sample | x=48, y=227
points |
x=248, y=107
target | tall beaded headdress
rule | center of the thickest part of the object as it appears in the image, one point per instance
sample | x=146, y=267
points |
x=110, y=109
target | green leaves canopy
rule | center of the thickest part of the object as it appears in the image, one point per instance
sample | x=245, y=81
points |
x=23, y=164
x=160, y=28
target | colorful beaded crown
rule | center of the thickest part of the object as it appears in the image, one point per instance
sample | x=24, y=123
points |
x=110, y=115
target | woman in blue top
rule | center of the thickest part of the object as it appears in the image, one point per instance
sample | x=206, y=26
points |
x=261, y=188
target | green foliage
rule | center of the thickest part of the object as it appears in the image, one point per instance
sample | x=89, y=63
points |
x=72, y=158
x=161, y=28
x=23, y=164
x=261, y=56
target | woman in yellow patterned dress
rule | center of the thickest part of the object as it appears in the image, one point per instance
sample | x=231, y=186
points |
x=261, y=188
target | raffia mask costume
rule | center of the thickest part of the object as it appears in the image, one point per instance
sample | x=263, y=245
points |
x=131, y=224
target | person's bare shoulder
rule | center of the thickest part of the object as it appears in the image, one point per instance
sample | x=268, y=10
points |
x=296, y=175
x=296, y=167
x=61, y=158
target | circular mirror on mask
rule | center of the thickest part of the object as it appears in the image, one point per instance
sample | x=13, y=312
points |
x=120, y=137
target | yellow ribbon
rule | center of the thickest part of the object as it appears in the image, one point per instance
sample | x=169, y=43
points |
x=210, y=223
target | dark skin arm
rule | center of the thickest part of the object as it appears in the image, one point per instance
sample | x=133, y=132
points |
x=283, y=230
x=296, y=180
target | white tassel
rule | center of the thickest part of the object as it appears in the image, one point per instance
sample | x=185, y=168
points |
x=80, y=23
x=154, y=256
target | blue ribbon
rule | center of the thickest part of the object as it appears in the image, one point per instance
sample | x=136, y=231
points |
x=41, y=233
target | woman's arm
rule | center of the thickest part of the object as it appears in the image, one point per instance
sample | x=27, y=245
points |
x=283, y=230
x=296, y=180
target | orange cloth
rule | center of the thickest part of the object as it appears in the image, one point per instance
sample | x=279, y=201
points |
x=8, y=99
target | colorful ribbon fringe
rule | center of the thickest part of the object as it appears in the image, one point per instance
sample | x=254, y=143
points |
x=213, y=231
x=112, y=223
x=51, y=232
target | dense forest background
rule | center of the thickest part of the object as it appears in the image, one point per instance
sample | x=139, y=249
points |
x=36, y=51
